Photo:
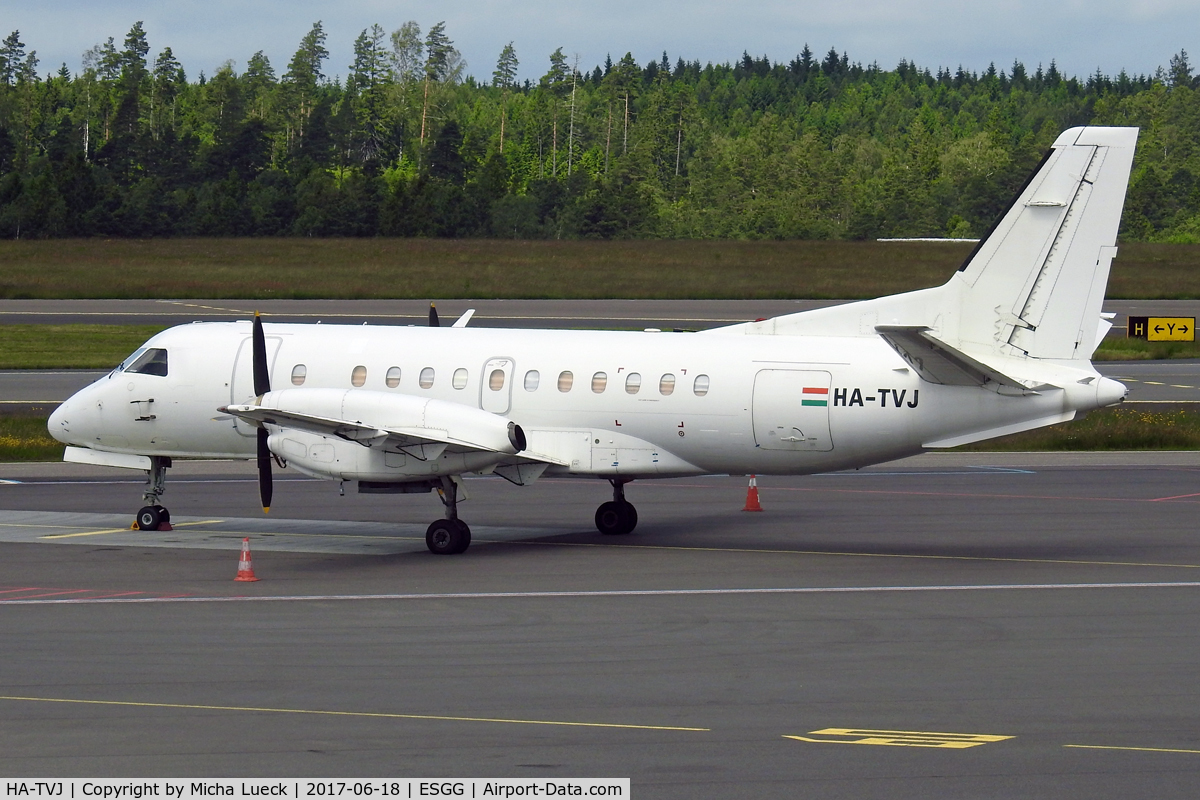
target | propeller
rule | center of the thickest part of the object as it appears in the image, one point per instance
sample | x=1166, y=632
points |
x=433, y=319
x=262, y=385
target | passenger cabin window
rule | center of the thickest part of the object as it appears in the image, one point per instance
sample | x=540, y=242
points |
x=565, y=380
x=299, y=373
x=666, y=384
x=392, y=379
x=700, y=387
x=599, y=382
x=633, y=383
x=459, y=381
x=426, y=379
x=359, y=376
x=496, y=380
x=532, y=379
x=153, y=361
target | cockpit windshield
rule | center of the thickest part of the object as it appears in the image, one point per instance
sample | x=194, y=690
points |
x=147, y=361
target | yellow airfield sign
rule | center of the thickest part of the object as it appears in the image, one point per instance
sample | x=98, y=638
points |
x=1163, y=329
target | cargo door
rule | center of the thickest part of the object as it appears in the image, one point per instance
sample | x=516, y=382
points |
x=791, y=409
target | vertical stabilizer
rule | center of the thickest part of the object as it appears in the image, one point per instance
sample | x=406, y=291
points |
x=1034, y=286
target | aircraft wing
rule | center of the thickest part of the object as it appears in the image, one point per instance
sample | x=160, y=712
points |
x=423, y=443
x=937, y=362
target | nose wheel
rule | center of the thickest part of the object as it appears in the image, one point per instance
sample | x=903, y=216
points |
x=617, y=517
x=153, y=516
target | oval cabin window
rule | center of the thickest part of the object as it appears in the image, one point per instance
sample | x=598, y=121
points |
x=666, y=385
x=299, y=373
x=359, y=376
x=700, y=387
x=565, y=380
x=426, y=379
x=459, y=380
x=532, y=379
x=599, y=382
x=496, y=380
x=633, y=383
x=393, y=377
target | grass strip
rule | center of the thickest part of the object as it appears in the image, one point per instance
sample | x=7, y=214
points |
x=475, y=268
x=1121, y=428
x=1119, y=348
x=70, y=346
x=26, y=438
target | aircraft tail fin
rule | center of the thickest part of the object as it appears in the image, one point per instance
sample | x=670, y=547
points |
x=1033, y=286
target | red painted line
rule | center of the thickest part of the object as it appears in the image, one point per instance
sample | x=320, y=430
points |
x=1175, y=497
x=52, y=594
x=26, y=589
x=116, y=594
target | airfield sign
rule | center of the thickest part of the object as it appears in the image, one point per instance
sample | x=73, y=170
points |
x=1163, y=329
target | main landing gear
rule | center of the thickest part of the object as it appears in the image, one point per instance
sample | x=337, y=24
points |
x=153, y=516
x=449, y=536
x=618, y=516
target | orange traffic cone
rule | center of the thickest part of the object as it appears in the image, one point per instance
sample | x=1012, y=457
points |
x=245, y=568
x=752, y=496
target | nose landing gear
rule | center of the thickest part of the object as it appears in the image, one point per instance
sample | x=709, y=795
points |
x=617, y=517
x=153, y=516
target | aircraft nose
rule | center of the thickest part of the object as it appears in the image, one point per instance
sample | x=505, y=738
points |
x=59, y=424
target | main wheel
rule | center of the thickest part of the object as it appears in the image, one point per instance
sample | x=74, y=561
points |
x=614, y=519
x=446, y=537
x=150, y=517
x=166, y=515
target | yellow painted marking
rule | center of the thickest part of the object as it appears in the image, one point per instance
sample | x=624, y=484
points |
x=1181, y=386
x=1154, y=383
x=376, y=714
x=1142, y=749
x=124, y=530
x=951, y=741
x=856, y=555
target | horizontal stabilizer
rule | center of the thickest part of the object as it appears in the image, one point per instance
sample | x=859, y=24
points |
x=937, y=362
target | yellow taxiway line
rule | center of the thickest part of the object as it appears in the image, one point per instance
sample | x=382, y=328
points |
x=374, y=714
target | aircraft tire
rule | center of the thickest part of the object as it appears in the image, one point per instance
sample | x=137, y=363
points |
x=464, y=536
x=166, y=515
x=447, y=537
x=615, y=519
x=149, y=518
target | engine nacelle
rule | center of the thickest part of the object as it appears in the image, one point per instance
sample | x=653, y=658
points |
x=458, y=438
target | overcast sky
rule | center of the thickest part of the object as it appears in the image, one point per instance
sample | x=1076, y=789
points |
x=1081, y=35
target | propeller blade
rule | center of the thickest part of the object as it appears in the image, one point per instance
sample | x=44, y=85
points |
x=262, y=378
x=265, y=486
x=433, y=319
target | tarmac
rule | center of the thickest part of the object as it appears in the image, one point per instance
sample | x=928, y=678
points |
x=954, y=625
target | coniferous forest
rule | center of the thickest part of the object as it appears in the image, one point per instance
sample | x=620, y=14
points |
x=409, y=143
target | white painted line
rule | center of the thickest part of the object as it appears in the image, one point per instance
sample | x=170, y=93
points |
x=619, y=593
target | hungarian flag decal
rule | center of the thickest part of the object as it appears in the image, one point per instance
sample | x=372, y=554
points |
x=815, y=396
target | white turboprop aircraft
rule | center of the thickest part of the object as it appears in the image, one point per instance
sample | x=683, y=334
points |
x=1002, y=347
